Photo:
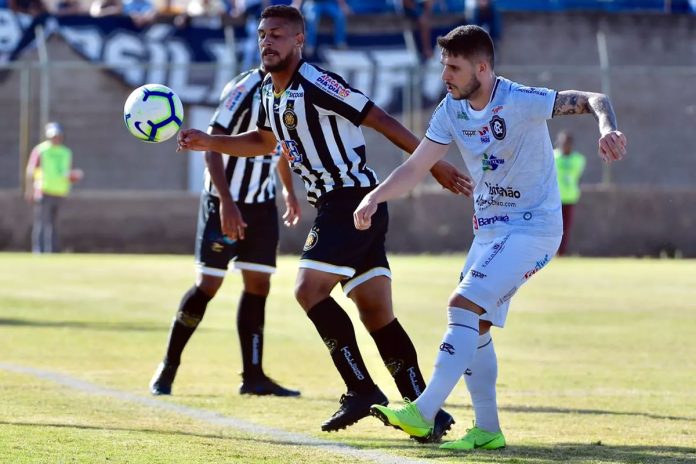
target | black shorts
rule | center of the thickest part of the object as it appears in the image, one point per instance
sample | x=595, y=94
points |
x=334, y=244
x=257, y=252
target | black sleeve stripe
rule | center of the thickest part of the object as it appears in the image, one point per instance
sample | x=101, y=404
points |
x=364, y=112
x=435, y=141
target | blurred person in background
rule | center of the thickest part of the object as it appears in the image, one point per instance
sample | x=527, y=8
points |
x=238, y=223
x=486, y=15
x=313, y=10
x=30, y=7
x=68, y=7
x=206, y=8
x=49, y=175
x=100, y=8
x=570, y=165
x=420, y=12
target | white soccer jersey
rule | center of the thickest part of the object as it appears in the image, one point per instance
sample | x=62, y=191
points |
x=507, y=150
x=253, y=179
x=318, y=117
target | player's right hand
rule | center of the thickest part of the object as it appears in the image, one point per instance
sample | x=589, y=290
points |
x=362, y=217
x=192, y=139
x=231, y=220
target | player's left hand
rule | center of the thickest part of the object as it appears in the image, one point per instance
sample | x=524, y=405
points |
x=612, y=146
x=293, y=212
x=452, y=179
x=192, y=139
x=362, y=216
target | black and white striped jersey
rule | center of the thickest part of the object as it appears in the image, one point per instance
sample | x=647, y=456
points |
x=251, y=180
x=318, y=116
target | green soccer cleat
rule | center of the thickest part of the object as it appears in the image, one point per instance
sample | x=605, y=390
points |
x=476, y=438
x=408, y=418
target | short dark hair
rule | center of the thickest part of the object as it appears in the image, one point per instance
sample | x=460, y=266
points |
x=467, y=42
x=290, y=13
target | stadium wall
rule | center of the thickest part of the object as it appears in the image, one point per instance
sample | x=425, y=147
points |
x=631, y=221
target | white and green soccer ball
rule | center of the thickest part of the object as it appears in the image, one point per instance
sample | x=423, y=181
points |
x=153, y=113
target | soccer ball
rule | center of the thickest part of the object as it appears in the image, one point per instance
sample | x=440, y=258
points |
x=153, y=113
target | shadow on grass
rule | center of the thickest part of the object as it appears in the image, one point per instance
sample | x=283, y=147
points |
x=107, y=326
x=599, y=412
x=576, y=453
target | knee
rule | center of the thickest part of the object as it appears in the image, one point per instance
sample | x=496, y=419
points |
x=458, y=301
x=308, y=293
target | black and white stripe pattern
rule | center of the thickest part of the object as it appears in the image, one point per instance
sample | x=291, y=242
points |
x=251, y=180
x=318, y=116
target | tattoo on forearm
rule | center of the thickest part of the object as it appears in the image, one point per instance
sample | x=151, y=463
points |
x=576, y=102
x=603, y=113
x=571, y=102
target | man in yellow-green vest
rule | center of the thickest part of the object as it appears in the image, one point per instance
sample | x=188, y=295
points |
x=569, y=167
x=49, y=177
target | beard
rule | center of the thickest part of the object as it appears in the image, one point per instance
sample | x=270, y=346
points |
x=465, y=92
x=281, y=65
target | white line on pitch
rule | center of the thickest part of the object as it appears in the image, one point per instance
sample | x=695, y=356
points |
x=213, y=417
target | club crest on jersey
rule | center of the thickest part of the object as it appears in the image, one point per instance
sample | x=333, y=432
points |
x=498, y=127
x=290, y=119
x=312, y=239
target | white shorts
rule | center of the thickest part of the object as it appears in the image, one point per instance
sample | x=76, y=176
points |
x=496, y=268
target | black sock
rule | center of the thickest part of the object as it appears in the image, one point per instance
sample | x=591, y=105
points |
x=336, y=329
x=189, y=315
x=250, y=319
x=399, y=355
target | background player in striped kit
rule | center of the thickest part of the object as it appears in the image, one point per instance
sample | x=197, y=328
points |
x=500, y=129
x=238, y=220
x=317, y=117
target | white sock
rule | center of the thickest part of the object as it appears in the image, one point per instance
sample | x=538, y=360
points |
x=456, y=352
x=480, y=380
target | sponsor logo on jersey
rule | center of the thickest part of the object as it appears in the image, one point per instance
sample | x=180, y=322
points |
x=469, y=133
x=509, y=192
x=331, y=85
x=497, y=109
x=537, y=267
x=487, y=221
x=484, y=202
x=491, y=163
x=483, y=132
x=291, y=152
x=498, y=127
x=312, y=239
x=290, y=119
x=462, y=115
x=477, y=275
x=497, y=248
x=531, y=90
x=294, y=94
x=233, y=99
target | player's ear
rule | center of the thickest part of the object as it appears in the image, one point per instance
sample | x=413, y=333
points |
x=299, y=39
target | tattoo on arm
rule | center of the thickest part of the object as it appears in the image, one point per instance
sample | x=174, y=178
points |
x=597, y=104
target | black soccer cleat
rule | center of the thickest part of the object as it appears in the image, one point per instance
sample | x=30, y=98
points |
x=161, y=383
x=443, y=423
x=265, y=386
x=354, y=406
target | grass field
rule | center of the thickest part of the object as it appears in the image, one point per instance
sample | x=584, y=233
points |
x=597, y=365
